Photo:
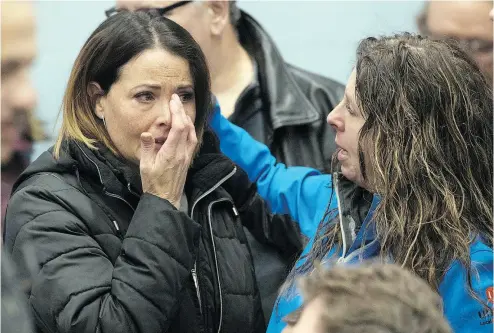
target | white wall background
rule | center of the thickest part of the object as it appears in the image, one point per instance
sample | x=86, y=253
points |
x=320, y=36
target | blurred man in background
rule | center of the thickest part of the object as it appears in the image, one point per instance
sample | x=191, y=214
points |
x=466, y=21
x=278, y=104
x=19, y=125
x=18, y=100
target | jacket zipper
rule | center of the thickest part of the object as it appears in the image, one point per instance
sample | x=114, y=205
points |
x=120, y=198
x=196, y=283
x=105, y=191
x=194, y=269
x=357, y=252
x=215, y=256
x=194, y=272
x=343, y=236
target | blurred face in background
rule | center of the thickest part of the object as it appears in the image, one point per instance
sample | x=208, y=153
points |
x=199, y=18
x=310, y=319
x=18, y=52
x=466, y=21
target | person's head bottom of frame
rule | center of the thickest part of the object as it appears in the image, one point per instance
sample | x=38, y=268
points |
x=373, y=298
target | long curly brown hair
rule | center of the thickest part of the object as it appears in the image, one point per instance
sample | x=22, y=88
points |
x=428, y=133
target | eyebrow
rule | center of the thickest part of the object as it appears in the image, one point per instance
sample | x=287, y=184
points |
x=185, y=86
x=157, y=86
x=146, y=85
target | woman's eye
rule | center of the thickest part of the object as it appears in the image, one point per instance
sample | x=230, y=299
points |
x=348, y=108
x=186, y=97
x=145, y=97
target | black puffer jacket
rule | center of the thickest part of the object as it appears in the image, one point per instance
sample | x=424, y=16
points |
x=114, y=261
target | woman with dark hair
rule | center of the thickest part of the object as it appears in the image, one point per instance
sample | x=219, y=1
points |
x=412, y=181
x=132, y=228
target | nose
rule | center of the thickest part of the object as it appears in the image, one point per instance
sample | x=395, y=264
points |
x=335, y=119
x=164, y=117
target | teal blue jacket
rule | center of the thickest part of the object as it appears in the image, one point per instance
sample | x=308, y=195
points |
x=305, y=194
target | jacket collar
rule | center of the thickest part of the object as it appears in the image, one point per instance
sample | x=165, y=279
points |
x=287, y=105
x=355, y=212
x=208, y=169
x=105, y=169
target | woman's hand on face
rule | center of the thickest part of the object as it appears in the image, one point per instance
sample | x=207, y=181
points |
x=163, y=172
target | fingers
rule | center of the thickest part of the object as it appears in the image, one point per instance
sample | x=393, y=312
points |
x=182, y=125
x=178, y=125
x=147, y=150
x=192, y=137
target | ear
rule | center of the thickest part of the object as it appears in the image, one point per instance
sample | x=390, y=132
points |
x=219, y=13
x=96, y=95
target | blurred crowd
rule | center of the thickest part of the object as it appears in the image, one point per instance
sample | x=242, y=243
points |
x=200, y=183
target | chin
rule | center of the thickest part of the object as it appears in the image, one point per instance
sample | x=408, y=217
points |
x=348, y=172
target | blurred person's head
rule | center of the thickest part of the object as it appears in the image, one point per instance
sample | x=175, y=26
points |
x=466, y=21
x=209, y=22
x=18, y=52
x=123, y=79
x=376, y=298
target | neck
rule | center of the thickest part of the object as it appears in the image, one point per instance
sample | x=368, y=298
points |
x=231, y=68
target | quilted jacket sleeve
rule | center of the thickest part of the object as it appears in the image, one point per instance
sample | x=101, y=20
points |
x=77, y=288
x=278, y=230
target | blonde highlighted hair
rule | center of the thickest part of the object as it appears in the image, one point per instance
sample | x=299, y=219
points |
x=114, y=43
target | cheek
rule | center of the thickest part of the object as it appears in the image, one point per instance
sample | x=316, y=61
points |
x=355, y=129
x=124, y=115
x=190, y=110
x=125, y=123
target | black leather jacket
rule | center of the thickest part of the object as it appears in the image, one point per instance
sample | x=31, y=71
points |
x=286, y=109
x=295, y=104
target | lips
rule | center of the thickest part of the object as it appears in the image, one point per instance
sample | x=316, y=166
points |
x=342, y=154
x=160, y=140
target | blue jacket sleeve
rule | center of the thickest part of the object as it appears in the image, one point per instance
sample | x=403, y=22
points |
x=464, y=313
x=301, y=192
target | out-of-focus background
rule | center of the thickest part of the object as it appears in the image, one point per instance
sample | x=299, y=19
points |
x=320, y=36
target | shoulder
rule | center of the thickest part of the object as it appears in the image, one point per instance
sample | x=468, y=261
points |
x=43, y=201
x=45, y=186
x=466, y=313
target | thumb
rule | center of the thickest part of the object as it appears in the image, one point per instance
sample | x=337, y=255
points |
x=147, y=147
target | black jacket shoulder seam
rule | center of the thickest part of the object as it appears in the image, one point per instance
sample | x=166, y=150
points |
x=31, y=220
